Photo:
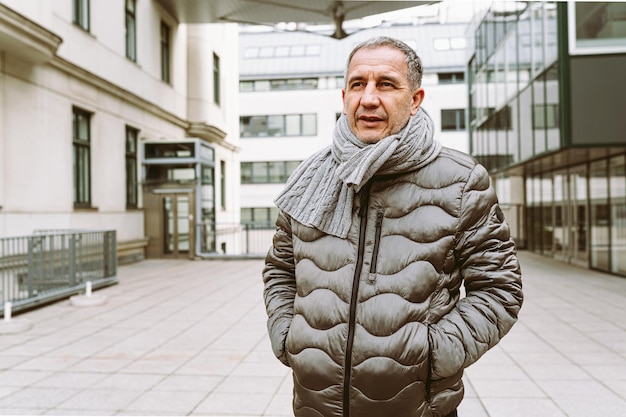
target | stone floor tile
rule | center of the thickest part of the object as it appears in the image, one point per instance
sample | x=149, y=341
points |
x=125, y=381
x=220, y=404
x=14, y=378
x=184, y=383
x=75, y=380
x=174, y=403
x=100, y=399
x=523, y=407
x=249, y=384
x=36, y=398
x=496, y=388
x=584, y=398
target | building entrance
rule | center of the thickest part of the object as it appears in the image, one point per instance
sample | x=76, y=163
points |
x=170, y=223
x=179, y=198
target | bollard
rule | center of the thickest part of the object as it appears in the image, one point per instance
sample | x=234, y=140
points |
x=8, y=306
x=9, y=325
x=88, y=299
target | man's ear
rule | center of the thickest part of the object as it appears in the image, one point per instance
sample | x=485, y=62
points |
x=418, y=98
x=343, y=100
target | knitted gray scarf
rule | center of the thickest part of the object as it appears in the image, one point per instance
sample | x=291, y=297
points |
x=321, y=190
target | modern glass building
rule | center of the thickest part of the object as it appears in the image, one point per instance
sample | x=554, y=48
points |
x=547, y=117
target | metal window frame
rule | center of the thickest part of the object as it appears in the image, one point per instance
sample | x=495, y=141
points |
x=84, y=144
x=131, y=32
x=586, y=50
x=81, y=14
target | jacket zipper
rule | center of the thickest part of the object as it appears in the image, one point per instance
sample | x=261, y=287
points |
x=353, y=300
x=379, y=225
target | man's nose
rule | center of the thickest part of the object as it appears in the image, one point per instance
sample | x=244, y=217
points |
x=370, y=96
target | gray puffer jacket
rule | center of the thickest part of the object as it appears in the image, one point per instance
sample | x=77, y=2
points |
x=375, y=324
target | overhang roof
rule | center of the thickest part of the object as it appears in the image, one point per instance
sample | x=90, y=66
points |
x=270, y=12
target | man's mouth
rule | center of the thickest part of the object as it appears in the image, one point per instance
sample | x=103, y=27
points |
x=370, y=119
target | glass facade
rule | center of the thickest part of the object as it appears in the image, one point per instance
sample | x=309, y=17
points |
x=514, y=84
x=566, y=199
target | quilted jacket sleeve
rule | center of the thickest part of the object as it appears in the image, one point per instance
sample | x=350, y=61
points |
x=280, y=286
x=486, y=257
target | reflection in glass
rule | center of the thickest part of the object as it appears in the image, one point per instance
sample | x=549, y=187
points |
x=168, y=225
x=547, y=237
x=552, y=108
x=526, y=124
x=207, y=210
x=578, y=213
x=561, y=219
x=599, y=215
x=617, y=187
x=600, y=25
x=183, y=212
x=539, y=115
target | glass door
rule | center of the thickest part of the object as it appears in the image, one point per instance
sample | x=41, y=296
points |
x=177, y=225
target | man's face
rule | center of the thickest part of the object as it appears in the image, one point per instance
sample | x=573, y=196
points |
x=377, y=99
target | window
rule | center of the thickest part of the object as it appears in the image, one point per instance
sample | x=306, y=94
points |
x=274, y=172
x=223, y=184
x=453, y=119
x=131, y=167
x=278, y=125
x=597, y=27
x=165, y=53
x=259, y=217
x=81, y=13
x=497, y=120
x=131, y=30
x=451, y=77
x=545, y=116
x=216, y=79
x=446, y=44
x=81, y=141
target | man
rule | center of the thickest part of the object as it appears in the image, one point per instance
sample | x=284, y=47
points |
x=375, y=236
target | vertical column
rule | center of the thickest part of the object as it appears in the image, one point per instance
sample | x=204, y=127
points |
x=199, y=73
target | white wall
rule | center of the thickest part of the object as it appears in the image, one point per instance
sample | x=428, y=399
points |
x=91, y=71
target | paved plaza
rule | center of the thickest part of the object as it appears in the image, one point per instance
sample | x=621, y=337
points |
x=189, y=338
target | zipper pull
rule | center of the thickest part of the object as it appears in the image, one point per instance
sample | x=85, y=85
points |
x=371, y=278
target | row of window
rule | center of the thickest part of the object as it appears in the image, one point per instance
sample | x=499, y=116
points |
x=310, y=83
x=81, y=18
x=279, y=84
x=273, y=172
x=81, y=142
x=278, y=125
x=259, y=217
x=306, y=124
x=282, y=51
x=544, y=116
x=287, y=51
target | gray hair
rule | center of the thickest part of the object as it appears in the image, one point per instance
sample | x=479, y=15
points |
x=413, y=61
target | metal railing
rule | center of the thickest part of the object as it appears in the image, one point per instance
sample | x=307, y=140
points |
x=249, y=239
x=54, y=264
